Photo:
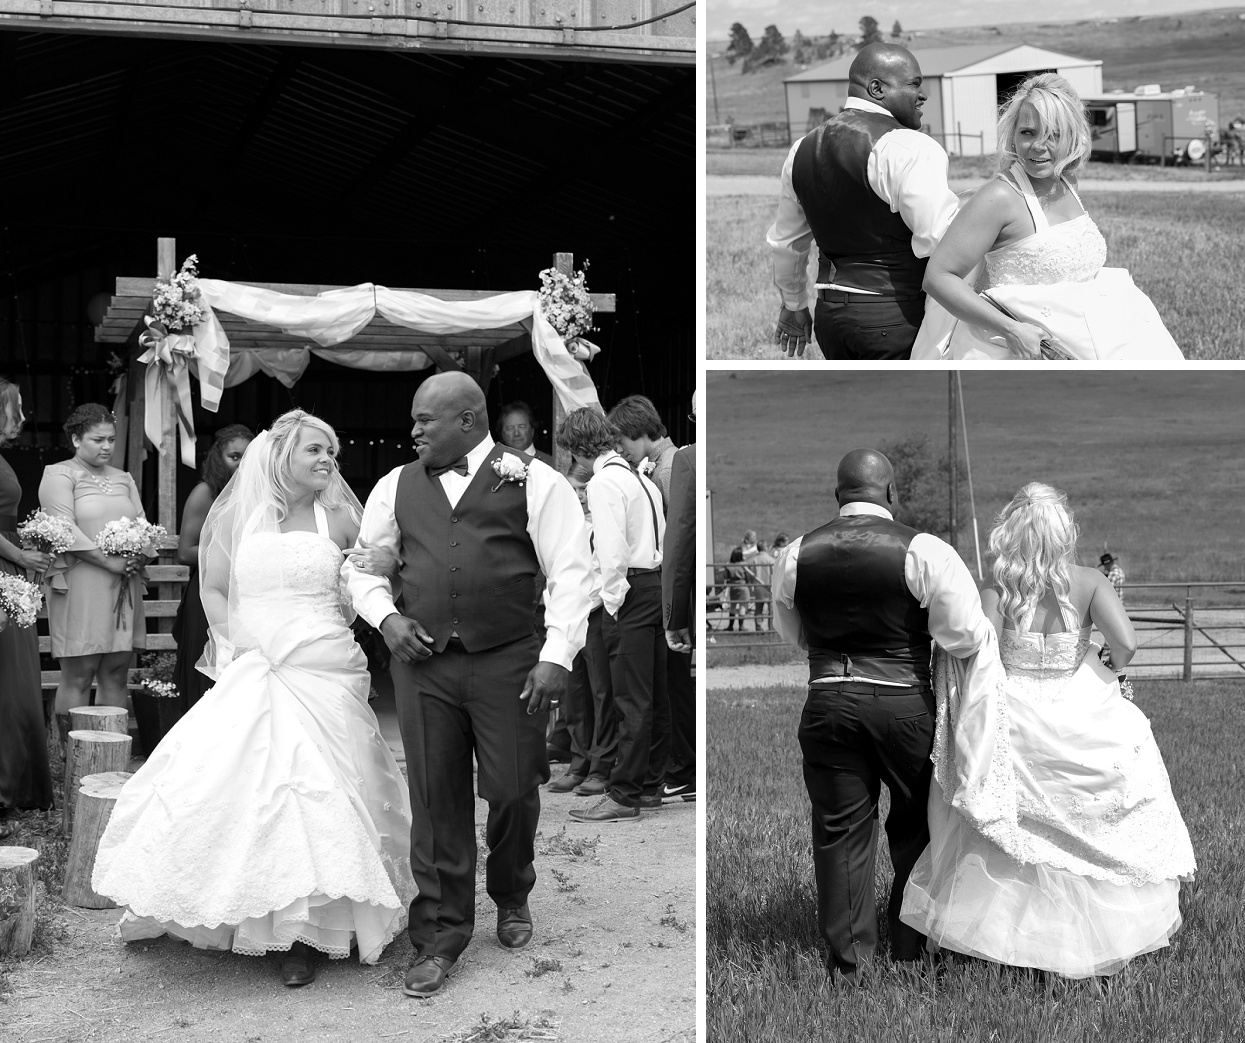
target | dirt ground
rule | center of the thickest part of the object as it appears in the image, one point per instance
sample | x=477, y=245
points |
x=613, y=958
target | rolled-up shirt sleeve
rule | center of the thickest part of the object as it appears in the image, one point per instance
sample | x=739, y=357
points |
x=555, y=523
x=908, y=170
x=782, y=590
x=939, y=579
x=790, y=240
x=373, y=595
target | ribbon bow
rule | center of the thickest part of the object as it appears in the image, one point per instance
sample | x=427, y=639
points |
x=168, y=353
x=459, y=465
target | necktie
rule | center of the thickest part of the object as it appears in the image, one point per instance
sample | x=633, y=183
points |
x=459, y=465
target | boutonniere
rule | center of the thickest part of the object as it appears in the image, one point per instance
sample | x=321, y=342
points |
x=509, y=469
x=647, y=467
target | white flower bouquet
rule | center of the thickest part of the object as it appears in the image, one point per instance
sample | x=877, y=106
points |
x=567, y=305
x=125, y=538
x=177, y=304
x=157, y=676
x=20, y=600
x=509, y=469
x=45, y=532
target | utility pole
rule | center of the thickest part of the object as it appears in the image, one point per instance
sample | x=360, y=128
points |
x=713, y=80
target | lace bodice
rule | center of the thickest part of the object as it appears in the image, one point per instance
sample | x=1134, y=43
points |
x=1043, y=663
x=1073, y=251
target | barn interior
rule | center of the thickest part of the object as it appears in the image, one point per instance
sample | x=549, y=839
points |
x=336, y=166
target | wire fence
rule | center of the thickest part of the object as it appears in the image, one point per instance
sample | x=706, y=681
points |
x=1186, y=630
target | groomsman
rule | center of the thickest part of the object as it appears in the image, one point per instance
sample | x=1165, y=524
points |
x=871, y=189
x=678, y=569
x=628, y=528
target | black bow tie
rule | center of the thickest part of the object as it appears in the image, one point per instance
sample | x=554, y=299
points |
x=459, y=465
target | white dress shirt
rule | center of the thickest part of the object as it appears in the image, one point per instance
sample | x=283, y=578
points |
x=907, y=169
x=936, y=576
x=555, y=523
x=623, y=505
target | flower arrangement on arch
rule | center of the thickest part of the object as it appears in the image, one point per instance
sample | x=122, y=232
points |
x=45, y=532
x=177, y=304
x=125, y=538
x=509, y=469
x=20, y=601
x=567, y=305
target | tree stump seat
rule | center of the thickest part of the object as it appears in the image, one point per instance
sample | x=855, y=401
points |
x=96, y=797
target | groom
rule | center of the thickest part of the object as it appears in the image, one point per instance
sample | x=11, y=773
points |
x=871, y=189
x=472, y=523
x=864, y=596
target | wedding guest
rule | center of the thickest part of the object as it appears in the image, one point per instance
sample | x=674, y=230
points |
x=25, y=779
x=516, y=427
x=781, y=542
x=190, y=628
x=1110, y=567
x=739, y=583
x=678, y=567
x=627, y=536
x=642, y=436
x=82, y=585
x=588, y=706
x=761, y=564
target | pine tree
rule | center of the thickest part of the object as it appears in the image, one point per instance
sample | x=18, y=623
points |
x=896, y=30
x=740, y=45
x=868, y=32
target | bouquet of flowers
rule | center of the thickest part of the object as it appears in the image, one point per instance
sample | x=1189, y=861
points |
x=123, y=539
x=566, y=303
x=176, y=304
x=157, y=675
x=20, y=600
x=45, y=532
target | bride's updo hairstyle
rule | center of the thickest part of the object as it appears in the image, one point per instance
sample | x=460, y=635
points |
x=1034, y=547
x=1061, y=120
x=282, y=441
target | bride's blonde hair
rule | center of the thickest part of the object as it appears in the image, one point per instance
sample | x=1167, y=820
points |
x=1061, y=121
x=1034, y=544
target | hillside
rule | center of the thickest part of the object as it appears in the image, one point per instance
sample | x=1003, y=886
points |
x=1203, y=48
x=1150, y=461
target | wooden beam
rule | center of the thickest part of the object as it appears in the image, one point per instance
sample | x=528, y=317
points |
x=564, y=263
x=166, y=266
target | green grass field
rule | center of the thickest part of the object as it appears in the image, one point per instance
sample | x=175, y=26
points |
x=766, y=978
x=1201, y=48
x=1185, y=251
x=1151, y=461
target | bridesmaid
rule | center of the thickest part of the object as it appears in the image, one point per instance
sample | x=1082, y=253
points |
x=190, y=630
x=25, y=779
x=81, y=588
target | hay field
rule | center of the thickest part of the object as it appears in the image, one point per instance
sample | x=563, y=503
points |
x=1185, y=251
x=766, y=979
x=1151, y=461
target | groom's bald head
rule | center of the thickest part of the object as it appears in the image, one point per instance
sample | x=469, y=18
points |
x=865, y=475
x=450, y=418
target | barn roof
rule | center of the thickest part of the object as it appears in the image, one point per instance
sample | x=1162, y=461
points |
x=946, y=61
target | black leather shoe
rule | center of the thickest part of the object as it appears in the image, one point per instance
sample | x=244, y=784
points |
x=297, y=967
x=606, y=810
x=565, y=783
x=650, y=801
x=426, y=975
x=514, y=927
x=592, y=786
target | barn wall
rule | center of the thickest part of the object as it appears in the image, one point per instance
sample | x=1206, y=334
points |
x=974, y=99
x=1085, y=79
x=932, y=113
x=826, y=94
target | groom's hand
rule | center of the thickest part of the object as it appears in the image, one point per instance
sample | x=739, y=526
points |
x=375, y=561
x=794, y=331
x=406, y=638
x=545, y=687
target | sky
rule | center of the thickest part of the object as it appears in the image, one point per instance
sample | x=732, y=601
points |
x=817, y=18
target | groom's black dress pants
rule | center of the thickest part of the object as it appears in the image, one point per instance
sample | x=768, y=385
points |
x=451, y=706
x=864, y=326
x=854, y=737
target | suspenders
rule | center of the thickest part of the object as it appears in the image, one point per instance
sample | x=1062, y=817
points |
x=647, y=495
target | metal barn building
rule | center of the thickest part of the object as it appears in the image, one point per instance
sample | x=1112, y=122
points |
x=965, y=87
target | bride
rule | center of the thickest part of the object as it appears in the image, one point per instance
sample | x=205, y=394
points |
x=273, y=816
x=1055, y=842
x=1043, y=254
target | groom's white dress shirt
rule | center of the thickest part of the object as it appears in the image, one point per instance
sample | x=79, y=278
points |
x=907, y=169
x=935, y=575
x=555, y=523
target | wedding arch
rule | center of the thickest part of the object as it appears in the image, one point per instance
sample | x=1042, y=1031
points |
x=275, y=328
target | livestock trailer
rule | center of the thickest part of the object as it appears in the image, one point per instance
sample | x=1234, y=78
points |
x=1150, y=123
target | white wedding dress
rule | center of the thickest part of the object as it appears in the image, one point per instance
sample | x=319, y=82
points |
x=1055, y=279
x=274, y=810
x=1083, y=870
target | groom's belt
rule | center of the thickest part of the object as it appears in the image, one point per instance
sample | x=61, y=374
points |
x=829, y=667
x=897, y=275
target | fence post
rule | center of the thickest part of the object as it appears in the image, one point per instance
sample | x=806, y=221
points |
x=1188, y=636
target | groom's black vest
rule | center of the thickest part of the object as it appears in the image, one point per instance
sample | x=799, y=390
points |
x=870, y=247
x=468, y=569
x=854, y=602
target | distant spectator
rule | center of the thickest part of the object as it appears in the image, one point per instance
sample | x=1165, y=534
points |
x=780, y=543
x=642, y=436
x=516, y=427
x=761, y=564
x=1109, y=566
x=739, y=583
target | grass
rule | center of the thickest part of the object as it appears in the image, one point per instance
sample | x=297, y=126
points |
x=1150, y=461
x=765, y=970
x=1177, y=248
x=1202, y=48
